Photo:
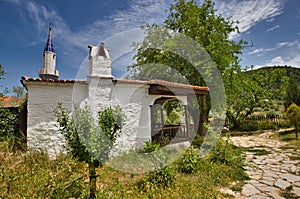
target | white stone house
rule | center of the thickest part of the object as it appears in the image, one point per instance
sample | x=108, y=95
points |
x=100, y=89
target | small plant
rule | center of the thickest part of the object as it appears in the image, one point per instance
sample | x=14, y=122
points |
x=160, y=178
x=293, y=114
x=287, y=193
x=87, y=140
x=189, y=161
x=150, y=147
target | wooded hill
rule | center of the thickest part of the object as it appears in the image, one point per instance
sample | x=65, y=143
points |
x=289, y=71
x=287, y=90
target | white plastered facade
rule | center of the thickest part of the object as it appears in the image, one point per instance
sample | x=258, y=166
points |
x=98, y=91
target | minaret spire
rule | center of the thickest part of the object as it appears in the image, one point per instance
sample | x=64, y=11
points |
x=48, y=71
x=49, y=45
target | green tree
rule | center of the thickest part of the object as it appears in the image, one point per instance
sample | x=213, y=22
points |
x=247, y=90
x=19, y=92
x=2, y=73
x=87, y=140
x=292, y=92
x=204, y=26
x=293, y=114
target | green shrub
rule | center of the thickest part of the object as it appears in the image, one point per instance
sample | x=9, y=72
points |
x=149, y=146
x=189, y=161
x=284, y=124
x=225, y=153
x=160, y=178
x=267, y=125
x=249, y=126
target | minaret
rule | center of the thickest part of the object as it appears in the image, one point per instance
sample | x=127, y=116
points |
x=48, y=71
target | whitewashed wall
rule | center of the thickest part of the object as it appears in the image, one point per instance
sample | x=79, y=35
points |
x=43, y=98
x=100, y=92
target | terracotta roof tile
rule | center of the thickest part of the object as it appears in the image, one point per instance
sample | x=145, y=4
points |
x=9, y=101
x=124, y=81
x=162, y=82
x=30, y=79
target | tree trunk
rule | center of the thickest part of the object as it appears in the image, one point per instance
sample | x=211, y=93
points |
x=204, y=112
x=93, y=178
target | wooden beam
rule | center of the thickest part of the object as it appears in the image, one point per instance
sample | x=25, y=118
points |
x=157, y=89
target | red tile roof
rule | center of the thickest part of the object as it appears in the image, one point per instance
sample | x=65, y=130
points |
x=9, y=101
x=124, y=81
x=164, y=83
x=31, y=79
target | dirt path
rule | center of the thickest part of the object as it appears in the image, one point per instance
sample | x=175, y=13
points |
x=272, y=169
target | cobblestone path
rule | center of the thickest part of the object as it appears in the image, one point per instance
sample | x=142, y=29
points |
x=271, y=172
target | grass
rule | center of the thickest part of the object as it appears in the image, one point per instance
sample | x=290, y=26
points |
x=257, y=151
x=290, y=140
x=35, y=175
x=288, y=193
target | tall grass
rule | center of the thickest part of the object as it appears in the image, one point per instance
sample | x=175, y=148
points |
x=34, y=175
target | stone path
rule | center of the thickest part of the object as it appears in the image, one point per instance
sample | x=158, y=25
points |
x=270, y=172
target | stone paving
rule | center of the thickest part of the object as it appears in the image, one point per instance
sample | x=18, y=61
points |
x=270, y=172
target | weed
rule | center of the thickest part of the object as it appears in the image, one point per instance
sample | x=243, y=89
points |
x=189, y=161
x=288, y=193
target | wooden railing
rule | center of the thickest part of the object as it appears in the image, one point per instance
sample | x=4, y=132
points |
x=172, y=133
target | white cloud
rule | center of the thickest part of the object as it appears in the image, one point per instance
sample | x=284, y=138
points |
x=250, y=12
x=273, y=28
x=289, y=61
x=256, y=51
x=270, y=20
x=74, y=43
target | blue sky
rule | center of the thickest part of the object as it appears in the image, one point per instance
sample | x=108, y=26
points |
x=273, y=26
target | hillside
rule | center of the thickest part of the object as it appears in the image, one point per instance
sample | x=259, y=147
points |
x=287, y=84
x=289, y=70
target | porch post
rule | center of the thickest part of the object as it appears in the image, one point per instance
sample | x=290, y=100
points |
x=186, y=120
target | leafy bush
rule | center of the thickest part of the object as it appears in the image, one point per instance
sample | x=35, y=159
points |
x=267, y=125
x=293, y=115
x=160, y=178
x=284, y=125
x=224, y=153
x=85, y=140
x=249, y=126
x=9, y=122
x=150, y=147
x=189, y=161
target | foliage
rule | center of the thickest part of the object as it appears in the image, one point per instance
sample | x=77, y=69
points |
x=34, y=175
x=224, y=153
x=2, y=72
x=19, y=92
x=288, y=193
x=9, y=122
x=202, y=25
x=293, y=114
x=10, y=127
x=87, y=141
x=111, y=122
x=292, y=92
x=162, y=178
x=150, y=147
x=189, y=162
x=246, y=91
x=173, y=110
